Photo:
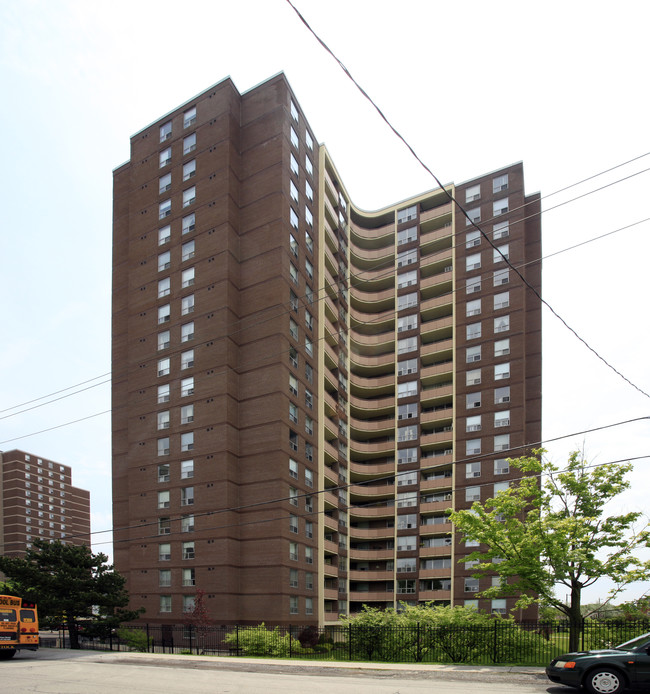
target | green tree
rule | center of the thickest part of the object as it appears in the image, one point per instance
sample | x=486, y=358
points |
x=69, y=582
x=550, y=528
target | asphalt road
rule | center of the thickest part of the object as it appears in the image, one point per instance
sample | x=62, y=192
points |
x=83, y=672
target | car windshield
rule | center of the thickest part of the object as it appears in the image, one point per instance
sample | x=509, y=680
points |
x=634, y=643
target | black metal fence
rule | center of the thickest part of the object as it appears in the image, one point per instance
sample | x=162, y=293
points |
x=502, y=642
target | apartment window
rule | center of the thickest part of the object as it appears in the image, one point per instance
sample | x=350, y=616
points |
x=473, y=308
x=406, y=543
x=187, y=332
x=498, y=606
x=473, y=354
x=408, y=366
x=187, y=496
x=164, y=526
x=309, y=347
x=407, y=235
x=501, y=300
x=473, y=262
x=502, y=324
x=472, y=470
x=164, y=261
x=188, y=577
x=164, y=287
x=293, y=218
x=164, y=578
x=189, y=117
x=407, y=323
x=163, y=473
x=164, y=209
x=407, y=455
x=163, y=340
x=164, y=314
x=407, y=433
x=293, y=413
x=309, y=192
x=471, y=585
x=293, y=440
x=501, y=371
x=189, y=196
x=189, y=170
x=163, y=366
x=407, y=279
x=472, y=493
x=187, y=441
x=189, y=223
x=407, y=214
x=165, y=603
x=293, y=301
x=407, y=411
x=472, y=285
x=474, y=215
x=164, y=183
x=293, y=524
x=502, y=419
x=308, y=166
x=500, y=183
x=187, y=523
x=163, y=499
x=187, y=549
x=188, y=250
x=164, y=235
x=293, y=273
x=294, y=138
x=294, y=112
x=407, y=257
x=293, y=191
x=165, y=157
x=501, y=277
x=309, y=242
x=188, y=277
x=407, y=301
x=309, y=425
x=309, y=451
x=189, y=143
x=293, y=165
x=501, y=466
x=499, y=207
x=497, y=489
x=163, y=446
x=293, y=604
x=473, y=193
x=501, y=395
x=472, y=446
x=408, y=344
x=187, y=414
x=502, y=442
x=407, y=479
x=501, y=253
x=407, y=389
x=473, y=330
x=165, y=131
x=163, y=420
x=163, y=393
x=187, y=305
x=309, y=218
x=309, y=269
x=501, y=230
x=473, y=377
x=502, y=347
x=293, y=468
x=187, y=469
x=187, y=359
x=309, y=140
x=293, y=328
x=473, y=423
x=309, y=399
x=309, y=479
x=293, y=578
x=472, y=239
x=187, y=386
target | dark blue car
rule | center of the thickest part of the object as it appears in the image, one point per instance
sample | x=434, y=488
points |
x=605, y=672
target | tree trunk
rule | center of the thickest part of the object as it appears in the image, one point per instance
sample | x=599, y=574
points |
x=575, y=619
x=73, y=630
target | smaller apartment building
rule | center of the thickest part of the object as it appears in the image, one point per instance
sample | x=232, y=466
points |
x=37, y=500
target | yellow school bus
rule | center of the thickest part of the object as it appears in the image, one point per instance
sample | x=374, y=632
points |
x=18, y=626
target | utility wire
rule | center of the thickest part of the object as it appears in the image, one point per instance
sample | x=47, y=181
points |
x=461, y=208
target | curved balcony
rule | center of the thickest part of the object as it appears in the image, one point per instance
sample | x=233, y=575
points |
x=368, y=512
x=360, y=407
x=436, y=285
x=440, y=401
x=330, y=238
x=331, y=454
x=372, y=533
x=373, y=259
x=443, y=528
x=372, y=324
x=381, y=236
x=436, y=263
x=331, y=500
x=443, y=437
x=430, y=595
x=434, y=506
x=372, y=344
x=372, y=301
x=371, y=554
x=444, y=551
x=370, y=365
x=359, y=470
x=438, y=329
x=360, y=428
x=436, y=483
x=383, y=448
x=369, y=596
x=331, y=404
x=437, y=307
x=370, y=575
x=435, y=208
x=372, y=387
x=363, y=493
x=379, y=281
x=435, y=573
x=330, y=523
x=331, y=570
x=434, y=459
x=330, y=547
x=442, y=350
x=432, y=374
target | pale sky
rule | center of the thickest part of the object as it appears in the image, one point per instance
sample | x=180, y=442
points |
x=473, y=86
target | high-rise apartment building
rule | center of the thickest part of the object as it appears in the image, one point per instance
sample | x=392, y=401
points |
x=37, y=500
x=302, y=389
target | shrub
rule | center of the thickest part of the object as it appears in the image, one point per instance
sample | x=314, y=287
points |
x=135, y=639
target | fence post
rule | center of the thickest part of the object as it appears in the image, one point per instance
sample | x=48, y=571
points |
x=582, y=647
x=419, y=645
x=237, y=640
x=495, y=641
x=190, y=631
x=350, y=642
x=290, y=642
x=148, y=640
